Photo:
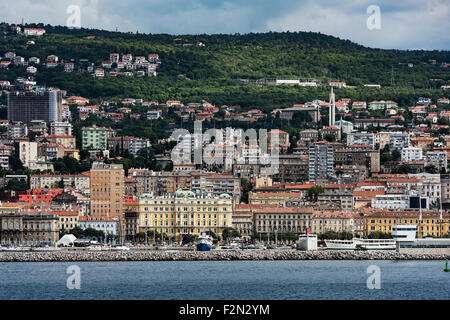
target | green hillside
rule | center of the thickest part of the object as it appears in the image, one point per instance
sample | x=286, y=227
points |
x=192, y=73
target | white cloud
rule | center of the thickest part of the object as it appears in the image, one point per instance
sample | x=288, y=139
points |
x=404, y=23
x=422, y=25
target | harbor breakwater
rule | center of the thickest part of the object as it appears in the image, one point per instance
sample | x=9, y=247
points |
x=217, y=255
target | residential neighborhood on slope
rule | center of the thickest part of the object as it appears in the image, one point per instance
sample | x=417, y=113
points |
x=104, y=168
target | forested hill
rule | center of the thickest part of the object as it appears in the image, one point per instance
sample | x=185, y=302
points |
x=211, y=72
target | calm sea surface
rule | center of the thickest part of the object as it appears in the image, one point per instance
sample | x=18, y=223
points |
x=278, y=280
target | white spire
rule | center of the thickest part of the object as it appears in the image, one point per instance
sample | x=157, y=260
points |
x=332, y=109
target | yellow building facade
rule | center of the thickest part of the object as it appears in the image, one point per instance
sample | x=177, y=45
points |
x=429, y=225
x=185, y=213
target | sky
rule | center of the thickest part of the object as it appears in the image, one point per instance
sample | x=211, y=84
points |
x=400, y=24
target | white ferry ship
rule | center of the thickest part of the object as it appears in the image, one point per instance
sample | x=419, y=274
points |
x=355, y=243
x=377, y=244
x=120, y=248
x=340, y=244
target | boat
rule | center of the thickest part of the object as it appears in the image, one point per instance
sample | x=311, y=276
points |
x=363, y=244
x=204, y=242
x=120, y=248
x=94, y=248
x=12, y=249
x=376, y=244
x=340, y=244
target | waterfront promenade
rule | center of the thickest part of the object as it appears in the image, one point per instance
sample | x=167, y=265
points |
x=217, y=255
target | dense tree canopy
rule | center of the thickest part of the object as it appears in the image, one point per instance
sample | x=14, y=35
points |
x=211, y=72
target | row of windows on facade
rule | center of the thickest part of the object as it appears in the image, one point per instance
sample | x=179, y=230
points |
x=386, y=228
x=284, y=217
x=406, y=221
x=185, y=223
x=184, y=216
x=187, y=230
x=276, y=222
x=180, y=202
x=184, y=209
x=96, y=205
x=100, y=225
x=98, y=190
x=68, y=219
x=282, y=229
x=43, y=226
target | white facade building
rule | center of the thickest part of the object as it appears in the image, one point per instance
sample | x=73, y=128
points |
x=361, y=138
x=398, y=140
x=391, y=201
x=404, y=232
x=58, y=128
x=411, y=154
x=17, y=130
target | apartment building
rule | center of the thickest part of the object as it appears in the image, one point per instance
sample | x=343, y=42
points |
x=107, y=189
x=361, y=138
x=96, y=137
x=26, y=106
x=321, y=161
x=411, y=154
x=61, y=128
x=77, y=181
x=398, y=140
x=438, y=159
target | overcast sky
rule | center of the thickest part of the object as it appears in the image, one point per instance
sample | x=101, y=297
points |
x=405, y=24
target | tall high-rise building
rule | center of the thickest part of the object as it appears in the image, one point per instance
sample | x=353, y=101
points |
x=332, y=109
x=107, y=189
x=321, y=160
x=28, y=106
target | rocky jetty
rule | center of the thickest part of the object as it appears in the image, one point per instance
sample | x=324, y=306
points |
x=215, y=255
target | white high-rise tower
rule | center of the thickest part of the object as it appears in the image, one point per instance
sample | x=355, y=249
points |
x=332, y=109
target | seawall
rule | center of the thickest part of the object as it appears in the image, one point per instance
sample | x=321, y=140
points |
x=218, y=255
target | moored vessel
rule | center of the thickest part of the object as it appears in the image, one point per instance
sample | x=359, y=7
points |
x=364, y=244
x=204, y=242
